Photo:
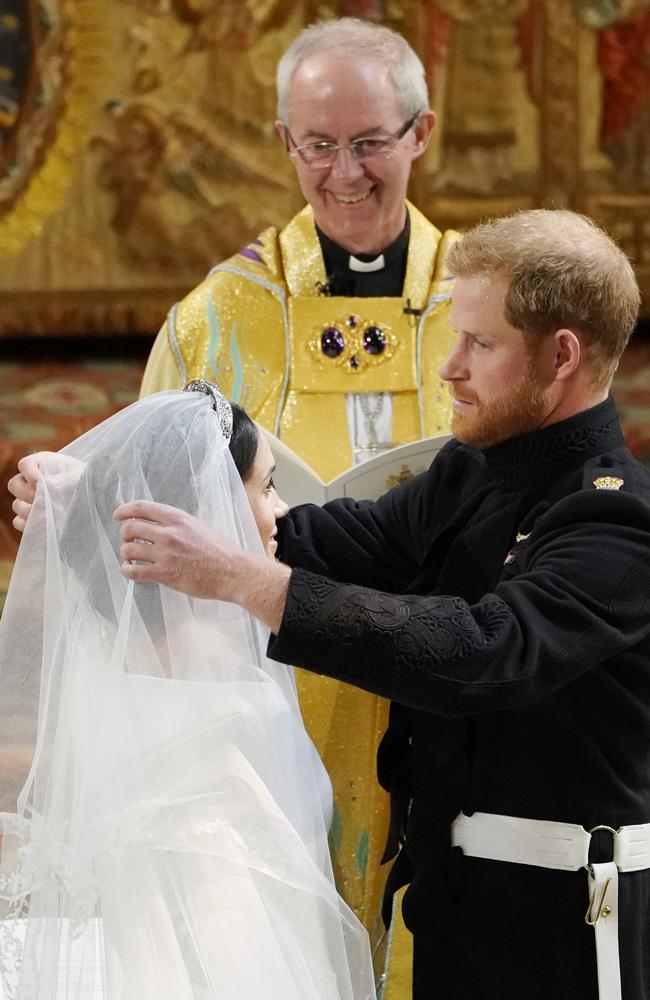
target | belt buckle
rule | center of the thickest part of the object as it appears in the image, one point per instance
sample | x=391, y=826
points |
x=610, y=829
x=597, y=910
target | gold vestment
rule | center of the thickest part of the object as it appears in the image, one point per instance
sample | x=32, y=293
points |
x=254, y=326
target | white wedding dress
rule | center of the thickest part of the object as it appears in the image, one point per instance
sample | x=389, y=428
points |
x=164, y=812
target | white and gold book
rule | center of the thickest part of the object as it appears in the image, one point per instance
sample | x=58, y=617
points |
x=297, y=482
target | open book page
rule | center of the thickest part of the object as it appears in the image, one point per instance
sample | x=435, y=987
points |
x=298, y=483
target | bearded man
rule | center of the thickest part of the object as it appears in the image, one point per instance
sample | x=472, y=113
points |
x=501, y=601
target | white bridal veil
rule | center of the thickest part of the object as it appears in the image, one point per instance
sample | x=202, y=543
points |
x=164, y=813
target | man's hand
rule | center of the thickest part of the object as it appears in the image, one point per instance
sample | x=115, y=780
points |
x=23, y=486
x=165, y=545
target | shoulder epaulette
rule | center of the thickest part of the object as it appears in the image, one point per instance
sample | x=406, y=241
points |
x=601, y=474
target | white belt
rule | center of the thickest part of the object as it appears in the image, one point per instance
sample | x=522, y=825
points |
x=564, y=846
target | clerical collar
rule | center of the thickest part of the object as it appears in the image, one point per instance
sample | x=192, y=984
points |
x=557, y=448
x=366, y=266
x=366, y=274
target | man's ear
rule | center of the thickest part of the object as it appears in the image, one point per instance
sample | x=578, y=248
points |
x=281, y=129
x=423, y=128
x=566, y=353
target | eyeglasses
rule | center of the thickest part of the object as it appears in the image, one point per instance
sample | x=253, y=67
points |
x=323, y=154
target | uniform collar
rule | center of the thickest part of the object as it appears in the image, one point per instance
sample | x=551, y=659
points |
x=554, y=450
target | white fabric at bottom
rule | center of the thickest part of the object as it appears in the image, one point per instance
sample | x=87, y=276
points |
x=81, y=957
x=165, y=812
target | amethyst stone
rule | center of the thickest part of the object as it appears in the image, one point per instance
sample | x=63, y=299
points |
x=374, y=340
x=332, y=342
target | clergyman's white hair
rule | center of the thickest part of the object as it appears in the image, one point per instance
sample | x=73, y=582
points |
x=348, y=36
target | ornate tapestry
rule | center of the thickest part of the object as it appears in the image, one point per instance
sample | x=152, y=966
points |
x=47, y=68
x=137, y=146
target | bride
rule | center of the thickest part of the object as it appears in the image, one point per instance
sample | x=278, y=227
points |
x=165, y=823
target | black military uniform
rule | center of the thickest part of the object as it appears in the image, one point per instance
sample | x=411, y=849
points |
x=514, y=640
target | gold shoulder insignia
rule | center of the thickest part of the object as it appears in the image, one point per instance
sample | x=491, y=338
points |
x=608, y=483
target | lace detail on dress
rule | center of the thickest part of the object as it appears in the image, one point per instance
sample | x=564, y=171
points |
x=11, y=955
x=47, y=865
x=48, y=862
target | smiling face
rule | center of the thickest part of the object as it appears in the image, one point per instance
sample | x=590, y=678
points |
x=359, y=204
x=265, y=503
x=497, y=382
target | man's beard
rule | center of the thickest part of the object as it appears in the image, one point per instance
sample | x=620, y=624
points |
x=520, y=410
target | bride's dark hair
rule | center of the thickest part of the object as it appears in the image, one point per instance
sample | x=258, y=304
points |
x=243, y=441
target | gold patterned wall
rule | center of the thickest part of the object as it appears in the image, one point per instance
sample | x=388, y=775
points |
x=137, y=146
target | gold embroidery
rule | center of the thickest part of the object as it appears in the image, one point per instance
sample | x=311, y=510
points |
x=348, y=341
x=608, y=483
